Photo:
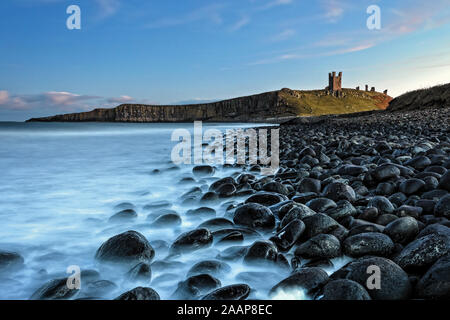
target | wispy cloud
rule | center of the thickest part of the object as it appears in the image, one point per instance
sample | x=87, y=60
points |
x=210, y=13
x=242, y=22
x=334, y=10
x=283, y=35
x=58, y=101
x=275, y=3
x=108, y=7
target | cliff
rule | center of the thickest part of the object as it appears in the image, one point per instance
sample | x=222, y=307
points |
x=435, y=97
x=269, y=106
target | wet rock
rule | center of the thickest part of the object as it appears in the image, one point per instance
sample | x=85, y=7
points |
x=385, y=172
x=299, y=212
x=277, y=187
x=303, y=198
x=232, y=292
x=209, y=197
x=343, y=209
x=196, y=286
x=369, y=214
x=139, y=293
x=365, y=228
x=261, y=252
x=255, y=216
x=322, y=246
x=411, y=186
x=442, y=208
x=203, y=171
x=10, y=261
x=232, y=237
x=352, y=170
x=344, y=289
x=140, y=272
x=157, y=205
x=233, y=253
x=192, y=241
x=216, y=224
x=99, y=288
x=127, y=247
x=319, y=223
x=308, y=185
x=219, y=183
x=409, y=211
x=124, y=215
x=212, y=267
x=371, y=243
x=288, y=236
x=319, y=263
x=382, y=204
x=444, y=183
x=423, y=252
x=339, y=191
x=204, y=212
x=402, y=230
x=394, y=282
x=307, y=279
x=434, y=229
x=419, y=163
x=167, y=220
x=125, y=206
x=54, y=290
x=435, y=284
x=226, y=190
x=321, y=204
x=266, y=198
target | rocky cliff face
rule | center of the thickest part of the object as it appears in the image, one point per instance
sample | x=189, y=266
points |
x=247, y=109
x=435, y=97
x=270, y=106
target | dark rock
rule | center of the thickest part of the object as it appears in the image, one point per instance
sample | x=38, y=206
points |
x=10, y=261
x=344, y=289
x=139, y=293
x=442, y=208
x=209, y=197
x=382, y=204
x=308, y=279
x=266, y=198
x=319, y=223
x=202, y=212
x=232, y=292
x=308, y=185
x=261, y=252
x=402, y=230
x=212, y=267
x=420, y=162
x=435, y=284
x=128, y=247
x=371, y=243
x=232, y=237
x=423, y=252
x=196, y=286
x=322, y=246
x=321, y=204
x=192, y=240
x=289, y=235
x=140, y=272
x=233, y=253
x=351, y=170
x=338, y=191
x=54, y=290
x=299, y=212
x=203, y=171
x=219, y=183
x=385, y=172
x=343, y=209
x=409, y=211
x=254, y=215
x=394, y=282
x=444, y=183
x=127, y=214
x=411, y=186
x=167, y=220
x=277, y=187
x=217, y=223
x=226, y=190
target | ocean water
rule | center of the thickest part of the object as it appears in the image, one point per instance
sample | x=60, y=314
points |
x=59, y=185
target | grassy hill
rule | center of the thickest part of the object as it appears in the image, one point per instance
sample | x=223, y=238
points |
x=318, y=102
x=434, y=97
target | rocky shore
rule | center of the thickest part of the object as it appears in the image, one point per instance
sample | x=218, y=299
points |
x=372, y=189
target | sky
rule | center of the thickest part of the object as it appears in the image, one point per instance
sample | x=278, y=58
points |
x=172, y=51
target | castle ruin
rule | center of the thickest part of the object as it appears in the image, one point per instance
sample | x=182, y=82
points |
x=335, y=82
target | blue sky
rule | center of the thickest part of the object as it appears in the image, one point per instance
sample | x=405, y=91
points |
x=165, y=52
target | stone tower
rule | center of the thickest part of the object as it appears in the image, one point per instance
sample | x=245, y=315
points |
x=335, y=82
